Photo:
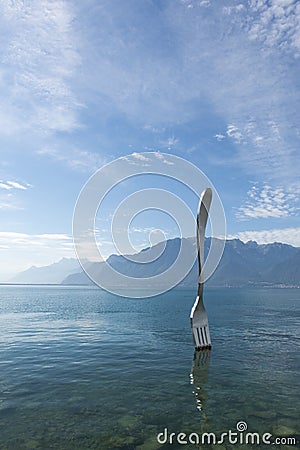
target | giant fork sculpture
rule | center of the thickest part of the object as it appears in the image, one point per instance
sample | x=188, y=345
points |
x=198, y=317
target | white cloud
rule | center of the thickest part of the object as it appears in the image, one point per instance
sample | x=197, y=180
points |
x=8, y=185
x=5, y=186
x=40, y=57
x=285, y=235
x=17, y=185
x=220, y=137
x=139, y=156
x=205, y=3
x=268, y=202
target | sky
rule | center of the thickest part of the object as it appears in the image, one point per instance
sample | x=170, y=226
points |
x=84, y=83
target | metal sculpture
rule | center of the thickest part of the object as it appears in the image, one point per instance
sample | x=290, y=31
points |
x=198, y=316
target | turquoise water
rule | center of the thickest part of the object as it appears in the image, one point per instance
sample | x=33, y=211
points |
x=82, y=369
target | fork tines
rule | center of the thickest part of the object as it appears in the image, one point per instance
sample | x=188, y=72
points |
x=202, y=337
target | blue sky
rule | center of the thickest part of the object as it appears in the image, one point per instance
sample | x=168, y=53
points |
x=82, y=83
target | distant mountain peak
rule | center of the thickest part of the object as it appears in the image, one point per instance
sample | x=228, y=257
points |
x=252, y=243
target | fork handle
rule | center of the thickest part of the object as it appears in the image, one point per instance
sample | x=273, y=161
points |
x=202, y=217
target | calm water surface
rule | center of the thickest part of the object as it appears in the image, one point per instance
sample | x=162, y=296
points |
x=82, y=369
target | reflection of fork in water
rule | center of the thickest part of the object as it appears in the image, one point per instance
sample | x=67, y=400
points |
x=199, y=377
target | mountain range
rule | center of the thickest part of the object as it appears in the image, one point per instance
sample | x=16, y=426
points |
x=52, y=274
x=242, y=264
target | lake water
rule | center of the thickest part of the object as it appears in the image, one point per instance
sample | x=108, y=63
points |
x=82, y=369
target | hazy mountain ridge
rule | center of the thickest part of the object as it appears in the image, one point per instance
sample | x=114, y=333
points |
x=53, y=274
x=242, y=264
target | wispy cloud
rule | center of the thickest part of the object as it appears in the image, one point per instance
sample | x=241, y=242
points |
x=75, y=159
x=163, y=158
x=152, y=129
x=24, y=240
x=170, y=142
x=9, y=203
x=268, y=202
x=265, y=147
x=285, y=235
x=39, y=58
x=195, y=3
x=234, y=9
